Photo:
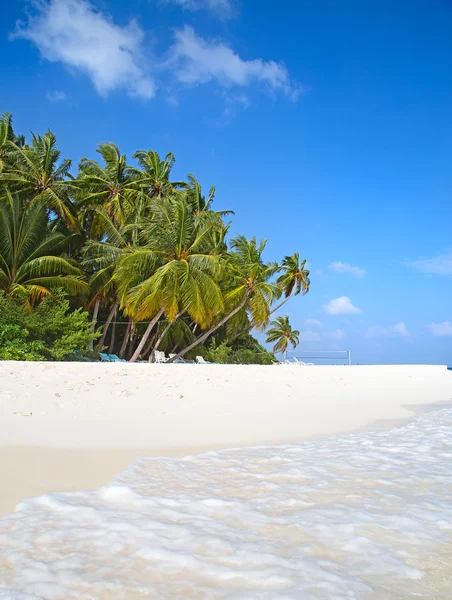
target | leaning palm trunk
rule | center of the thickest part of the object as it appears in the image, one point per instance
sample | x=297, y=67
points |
x=252, y=325
x=146, y=334
x=281, y=304
x=107, y=323
x=205, y=335
x=111, y=348
x=122, y=352
x=151, y=342
x=93, y=325
x=162, y=335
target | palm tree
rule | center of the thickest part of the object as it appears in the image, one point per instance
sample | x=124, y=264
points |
x=36, y=175
x=101, y=259
x=30, y=260
x=111, y=186
x=282, y=333
x=246, y=285
x=7, y=135
x=200, y=204
x=294, y=278
x=175, y=270
x=154, y=176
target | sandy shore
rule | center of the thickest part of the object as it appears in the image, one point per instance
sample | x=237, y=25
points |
x=75, y=425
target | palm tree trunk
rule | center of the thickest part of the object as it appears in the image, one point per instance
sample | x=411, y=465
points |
x=162, y=335
x=151, y=343
x=93, y=325
x=111, y=348
x=206, y=334
x=122, y=352
x=107, y=323
x=146, y=334
x=251, y=326
x=279, y=305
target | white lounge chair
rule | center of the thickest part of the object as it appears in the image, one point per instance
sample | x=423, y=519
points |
x=200, y=360
x=178, y=360
x=302, y=364
x=160, y=357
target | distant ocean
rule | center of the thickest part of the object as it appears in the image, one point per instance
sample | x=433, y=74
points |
x=361, y=516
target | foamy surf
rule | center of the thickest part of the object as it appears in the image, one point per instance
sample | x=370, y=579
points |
x=361, y=516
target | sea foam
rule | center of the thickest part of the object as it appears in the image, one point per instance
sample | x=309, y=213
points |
x=360, y=516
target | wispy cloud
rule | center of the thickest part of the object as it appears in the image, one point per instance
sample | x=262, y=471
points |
x=376, y=331
x=436, y=265
x=313, y=323
x=341, y=306
x=341, y=267
x=441, y=329
x=75, y=33
x=221, y=8
x=87, y=40
x=197, y=60
x=401, y=329
x=56, y=96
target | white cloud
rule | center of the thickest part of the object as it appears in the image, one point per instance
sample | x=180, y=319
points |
x=313, y=323
x=401, y=329
x=437, y=265
x=309, y=336
x=75, y=33
x=341, y=306
x=219, y=7
x=56, y=96
x=197, y=61
x=375, y=331
x=339, y=334
x=442, y=329
x=340, y=267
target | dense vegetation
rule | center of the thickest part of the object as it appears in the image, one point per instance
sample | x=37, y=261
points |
x=120, y=256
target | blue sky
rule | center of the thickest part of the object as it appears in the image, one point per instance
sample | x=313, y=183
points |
x=325, y=125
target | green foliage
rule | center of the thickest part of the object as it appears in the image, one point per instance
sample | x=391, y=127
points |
x=134, y=246
x=246, y=351
x=282, y=334
x=51, y=332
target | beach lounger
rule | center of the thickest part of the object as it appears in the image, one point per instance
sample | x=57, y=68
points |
x=160, y=357
x=178, y=360
x=104, y=357
x=200, y=360
x=302, y=364
x=115, y=358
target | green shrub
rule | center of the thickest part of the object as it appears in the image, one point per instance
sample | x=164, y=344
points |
x=51, y=332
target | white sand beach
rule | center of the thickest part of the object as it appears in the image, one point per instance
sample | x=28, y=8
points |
x=67, y=426
x=328, y=514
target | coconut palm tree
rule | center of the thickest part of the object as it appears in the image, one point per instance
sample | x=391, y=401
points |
x=202, y=206
x=294, y=278
x=175, y=270
x=246, y=284
x=101, y=259
x=154, y=176
x=7, y=135
x=30, y=255
x=36, y=175
x=282, y=333
x=110, y=186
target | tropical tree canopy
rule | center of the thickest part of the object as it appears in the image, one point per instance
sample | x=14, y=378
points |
x=144, y=253
x=31, y=262
x=281, y=334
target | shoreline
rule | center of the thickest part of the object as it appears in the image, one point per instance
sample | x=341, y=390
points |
x=218, y=406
